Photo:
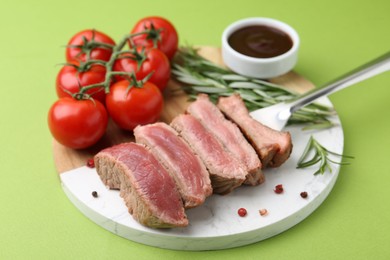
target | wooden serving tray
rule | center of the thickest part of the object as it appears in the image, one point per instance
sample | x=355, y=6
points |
x=175, y=102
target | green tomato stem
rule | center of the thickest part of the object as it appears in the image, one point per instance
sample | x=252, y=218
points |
x=116, y=51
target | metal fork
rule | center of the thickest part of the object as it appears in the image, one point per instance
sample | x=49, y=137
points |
x=276, y=116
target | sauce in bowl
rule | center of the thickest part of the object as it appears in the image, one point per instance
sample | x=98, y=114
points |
x=260, y=41
x=260, y=47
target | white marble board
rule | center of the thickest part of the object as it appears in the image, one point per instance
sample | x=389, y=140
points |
x=216, y=224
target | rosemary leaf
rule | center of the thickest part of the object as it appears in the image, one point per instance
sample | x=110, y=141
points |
x=244, y=85
x=274, y=86
x=342, y=155
x=213, y=82
x=247, y=96
x=311, y=162
x=306, y=151
x=192, y=81
x=233, y=77
x=208, y=90
x=213, y=74
x=262, y=93
x=323, y=125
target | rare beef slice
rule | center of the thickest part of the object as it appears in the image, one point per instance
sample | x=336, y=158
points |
x=226, y=172
x=148, y=190
x=273, y=147
x=186, y=168
x=229, y=135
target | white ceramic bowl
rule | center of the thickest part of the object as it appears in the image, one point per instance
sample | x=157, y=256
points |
x=260, y=67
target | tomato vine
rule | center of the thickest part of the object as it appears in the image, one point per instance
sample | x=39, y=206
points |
x=95, y=64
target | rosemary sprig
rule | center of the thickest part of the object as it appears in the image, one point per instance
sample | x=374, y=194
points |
x=321, y=156
x=203, y=76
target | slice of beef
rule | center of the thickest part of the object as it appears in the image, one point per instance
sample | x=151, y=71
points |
x=229, y=135
x=273, y=147
x=148, y=190
x=188, y=171
x=226, y=172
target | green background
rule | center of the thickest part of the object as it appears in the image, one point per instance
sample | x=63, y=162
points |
x=37, y=221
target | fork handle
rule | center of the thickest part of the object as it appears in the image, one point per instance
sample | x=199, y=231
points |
x=368, y=70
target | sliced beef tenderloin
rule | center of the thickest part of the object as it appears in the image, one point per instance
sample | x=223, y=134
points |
x=229, y=135
x=148, y=190
x=273, y=147
x=188, y=171
x=226, y=172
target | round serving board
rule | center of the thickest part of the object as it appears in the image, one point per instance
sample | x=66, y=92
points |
x=215, y=224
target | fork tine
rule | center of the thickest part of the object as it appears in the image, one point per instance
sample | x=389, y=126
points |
x=275, y=116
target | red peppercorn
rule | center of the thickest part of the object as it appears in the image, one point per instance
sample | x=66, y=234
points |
x=304, y=194
x=242, y=212
x=278, y=188
x=91, y=163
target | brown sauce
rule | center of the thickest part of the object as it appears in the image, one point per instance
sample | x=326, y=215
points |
x=260, y=41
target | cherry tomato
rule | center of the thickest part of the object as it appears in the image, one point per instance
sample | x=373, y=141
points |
x=76, y=123
x=143, y=63
x=167, y=38
x=70, y=79
x=96, y=53
x=135, y=106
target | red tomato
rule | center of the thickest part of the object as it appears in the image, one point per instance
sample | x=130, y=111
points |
x=70, y=79
x=96, y=53
x=167, y=39
x=143, y=63
x=77, y=123
x=135, y=106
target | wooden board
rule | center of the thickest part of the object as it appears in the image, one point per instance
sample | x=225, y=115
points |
x=176, y=102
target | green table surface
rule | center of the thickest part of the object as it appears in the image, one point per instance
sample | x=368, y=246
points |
x=37, y=221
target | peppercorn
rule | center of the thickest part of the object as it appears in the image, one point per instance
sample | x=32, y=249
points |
x=278, y=188
x=304, y=194
x=242, y=212
x=94, y=194
x=91, y=163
